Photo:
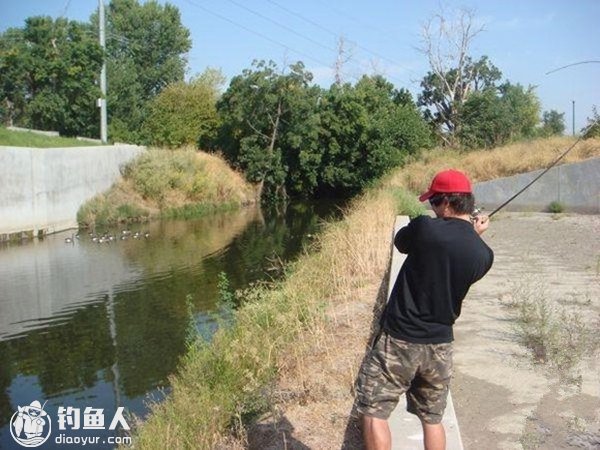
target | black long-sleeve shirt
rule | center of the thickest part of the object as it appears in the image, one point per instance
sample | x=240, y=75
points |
x=445, y=257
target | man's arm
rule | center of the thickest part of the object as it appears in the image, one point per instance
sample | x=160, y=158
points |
x=406, y=235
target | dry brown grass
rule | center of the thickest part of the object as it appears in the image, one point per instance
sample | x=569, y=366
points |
x=314, y=395
x=486, y=165
x=168, y=182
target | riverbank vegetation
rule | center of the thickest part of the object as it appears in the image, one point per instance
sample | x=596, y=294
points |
x=287, y=346
x=168, y=183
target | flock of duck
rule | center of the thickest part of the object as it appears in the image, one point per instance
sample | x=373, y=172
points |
x=108, y=237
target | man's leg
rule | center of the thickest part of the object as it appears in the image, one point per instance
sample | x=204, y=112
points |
x=376, y=433
x=434, y=436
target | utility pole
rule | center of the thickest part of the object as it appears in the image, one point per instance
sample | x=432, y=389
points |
x=102, y=100
x=573, y=117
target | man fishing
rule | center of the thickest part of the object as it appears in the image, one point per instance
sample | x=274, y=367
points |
x=413, y=353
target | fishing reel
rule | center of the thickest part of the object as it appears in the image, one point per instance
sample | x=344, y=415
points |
x=476, y=211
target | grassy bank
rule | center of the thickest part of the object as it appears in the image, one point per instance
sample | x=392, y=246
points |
x=168, y=183
x=495, y=163
x=12, y=138
x=222, y=385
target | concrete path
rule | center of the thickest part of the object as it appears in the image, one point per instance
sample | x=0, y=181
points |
x=406, y=428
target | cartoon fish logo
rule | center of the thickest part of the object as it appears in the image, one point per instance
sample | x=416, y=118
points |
x=30, y=425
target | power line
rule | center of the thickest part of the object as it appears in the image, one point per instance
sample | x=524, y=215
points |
x=358, y=21
x=257, y=33
x=65, y=8
x=321, y=27
x=378, y=29
x=285, y=27
x=289, y=29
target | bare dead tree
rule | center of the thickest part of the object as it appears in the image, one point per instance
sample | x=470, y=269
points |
x=446, y=42
x=344, y=55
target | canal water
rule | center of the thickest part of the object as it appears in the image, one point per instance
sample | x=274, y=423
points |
x=102, y=325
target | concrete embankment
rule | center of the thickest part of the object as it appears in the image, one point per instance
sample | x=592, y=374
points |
x=575, y=186
x=42, y=189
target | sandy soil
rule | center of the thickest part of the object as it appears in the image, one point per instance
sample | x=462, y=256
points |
x=503, y=398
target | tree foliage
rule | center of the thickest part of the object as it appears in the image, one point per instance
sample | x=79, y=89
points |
x=146, y=44
x=553, y=123
x=293, y=137
x=453, y=75
x=592, y=129
x=264, y=118
x=184, y=113
x=444, y=94
x=48, y=71
x=494, y=117
x=365, y=130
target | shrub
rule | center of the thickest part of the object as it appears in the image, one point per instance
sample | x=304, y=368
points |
x=556, y=207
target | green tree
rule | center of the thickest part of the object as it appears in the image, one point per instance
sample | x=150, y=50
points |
x=184, y=113
x=523, y=108
x=592, y=129
x=49, y=76
x=13, y=81
x=446, y=40
x=496, y=116
x=366, y=131
x=266, y=121
x=293, y=137
x=486, y=120
x=444, y=94
x=146, y=47
x=553, y=123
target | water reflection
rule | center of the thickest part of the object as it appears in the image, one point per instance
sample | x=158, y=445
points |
x=104, y=325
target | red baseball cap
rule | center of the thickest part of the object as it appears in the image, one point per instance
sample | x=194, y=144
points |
x=448, y=182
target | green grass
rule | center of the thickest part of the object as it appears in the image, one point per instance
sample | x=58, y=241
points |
x=28, y=139
x=196, y=210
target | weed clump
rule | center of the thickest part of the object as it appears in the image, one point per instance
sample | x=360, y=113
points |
x=556, y=207
x=556, y=337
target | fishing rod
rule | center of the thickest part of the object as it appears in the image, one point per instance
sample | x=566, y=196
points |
x=592, y=61
x=547, y=168
x=584, y=132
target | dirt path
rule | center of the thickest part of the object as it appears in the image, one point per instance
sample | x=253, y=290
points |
x=503, y=400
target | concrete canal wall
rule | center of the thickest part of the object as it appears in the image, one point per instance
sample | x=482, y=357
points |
x=42, y=189
x=576, y=186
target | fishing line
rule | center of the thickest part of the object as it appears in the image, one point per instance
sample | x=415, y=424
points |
x=547, y=168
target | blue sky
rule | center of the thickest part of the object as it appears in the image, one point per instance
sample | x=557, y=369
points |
x=523, y=38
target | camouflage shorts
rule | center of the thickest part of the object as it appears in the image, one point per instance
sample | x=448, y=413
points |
x=394, y=367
